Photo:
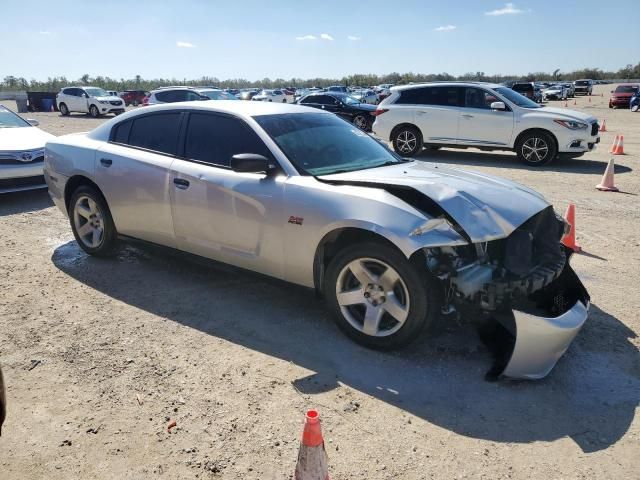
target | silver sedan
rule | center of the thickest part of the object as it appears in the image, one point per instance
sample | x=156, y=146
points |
x=301, y=195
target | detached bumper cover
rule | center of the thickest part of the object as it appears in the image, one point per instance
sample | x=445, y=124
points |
x=538, y=331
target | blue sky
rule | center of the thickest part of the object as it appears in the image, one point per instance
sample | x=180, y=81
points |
x=304, y=39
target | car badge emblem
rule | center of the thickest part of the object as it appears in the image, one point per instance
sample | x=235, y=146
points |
x=26, y=157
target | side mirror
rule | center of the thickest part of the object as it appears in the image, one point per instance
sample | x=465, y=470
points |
x=33, y=121
x=251, y=163
x=498, y=106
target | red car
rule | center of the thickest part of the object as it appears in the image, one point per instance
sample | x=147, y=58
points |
x=133, y=97
x=621, y=96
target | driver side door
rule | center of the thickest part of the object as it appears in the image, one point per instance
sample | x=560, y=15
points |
x=221, y=214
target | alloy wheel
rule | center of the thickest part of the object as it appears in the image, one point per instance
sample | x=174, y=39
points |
x=89, y=222
x=360, y=122
x=372, y=297
x=406, y=141
x=535, y=150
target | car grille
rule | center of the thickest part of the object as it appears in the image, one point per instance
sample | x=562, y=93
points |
x=15, y=161
x=115, y=102
x=22, y=182
x=594, y=129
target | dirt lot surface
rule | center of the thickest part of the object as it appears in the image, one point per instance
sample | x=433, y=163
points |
x=100, y=355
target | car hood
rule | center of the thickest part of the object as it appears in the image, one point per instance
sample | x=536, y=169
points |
x=486, y=207
x=566, y=113
x=23, y=138
x=627, y=95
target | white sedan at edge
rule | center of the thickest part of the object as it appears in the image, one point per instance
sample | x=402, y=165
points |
x=302, y=195
x=21, y=153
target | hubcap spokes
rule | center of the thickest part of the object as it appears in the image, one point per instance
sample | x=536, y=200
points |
x=373, y=297
x=406, y=142
x=535, y=150
x=88, y=222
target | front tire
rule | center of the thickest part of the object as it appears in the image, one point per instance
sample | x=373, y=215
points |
x=94, y=112
x=64, y=110
x=407, y=141
x=378, y=297
x=91, y=222
x=536, y=148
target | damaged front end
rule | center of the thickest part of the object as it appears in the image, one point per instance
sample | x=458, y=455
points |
x=530, y=301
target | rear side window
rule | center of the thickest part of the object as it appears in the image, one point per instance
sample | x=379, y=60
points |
x=214, y=139
x=157, y=132
x=444, y=96
x=168, y=96
x=478, y=98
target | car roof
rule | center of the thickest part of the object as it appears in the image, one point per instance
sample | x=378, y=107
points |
x=400, y=88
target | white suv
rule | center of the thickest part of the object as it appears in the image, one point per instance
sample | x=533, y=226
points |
x=481, y=115
x=92, y=100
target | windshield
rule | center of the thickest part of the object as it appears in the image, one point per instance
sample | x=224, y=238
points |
x=321, y=144
x=8, y=119
x=347, y=100
x=96, y=92
x=626, y=89
x=582, y=83
x=515, y=97
x=218, y=95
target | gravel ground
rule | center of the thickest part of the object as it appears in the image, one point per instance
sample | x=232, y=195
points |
x=100, y=355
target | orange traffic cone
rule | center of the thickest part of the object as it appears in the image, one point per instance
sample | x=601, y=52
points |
x=606, y=184
x=615, y=144
x=603, y=127
x=312, y=457
x=52, y=109
x=575, y=102
x=618, y=148
x=589, y=99
x=569, y=240
x=565, y=104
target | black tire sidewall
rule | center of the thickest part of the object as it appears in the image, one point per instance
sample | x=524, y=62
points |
x=419, y=142
x=423, y=293
x=364, y=119
x=92, y=109
x=64, y=110
x=549, y=140
x=109, y=245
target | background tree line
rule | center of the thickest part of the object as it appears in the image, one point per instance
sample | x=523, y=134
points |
x=54, y=84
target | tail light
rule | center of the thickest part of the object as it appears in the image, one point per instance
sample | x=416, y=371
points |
x=379, y=111
x=145, y=101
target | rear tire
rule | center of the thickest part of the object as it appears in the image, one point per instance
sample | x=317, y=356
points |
x=91, y=222
x=389, y=302
x=407, y=141
x=64, y=110
x=360, y=121
x=536, y=148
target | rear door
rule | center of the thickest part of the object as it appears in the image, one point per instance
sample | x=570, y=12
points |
x=479, y=125
x=221, y=214
x=132, y=170
x=437, y=112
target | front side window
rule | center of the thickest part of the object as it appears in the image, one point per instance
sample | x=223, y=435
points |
x=322, y=144
x=158, y=132
x=214, y=139
x=478, y=98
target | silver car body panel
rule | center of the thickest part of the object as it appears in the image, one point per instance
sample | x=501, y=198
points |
x=541, y=341
x=276, y=224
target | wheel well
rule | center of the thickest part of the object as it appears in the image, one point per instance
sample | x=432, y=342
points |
x=531, y=130
x=333, y=242
x=72, y=185
x=402, y=125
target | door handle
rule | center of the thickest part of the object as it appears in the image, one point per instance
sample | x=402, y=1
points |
x=181, y=183
x=466, y=115
x=106, y=162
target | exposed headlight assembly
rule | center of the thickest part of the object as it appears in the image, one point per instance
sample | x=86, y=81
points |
x=571, y=125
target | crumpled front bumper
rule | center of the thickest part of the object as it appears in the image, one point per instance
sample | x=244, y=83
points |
x=537, y=331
